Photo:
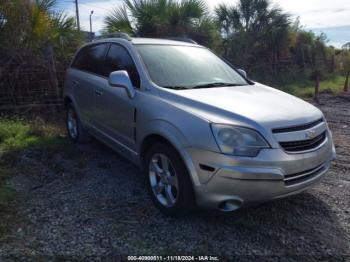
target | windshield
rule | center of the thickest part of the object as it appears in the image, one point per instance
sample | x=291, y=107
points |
x=181, y=67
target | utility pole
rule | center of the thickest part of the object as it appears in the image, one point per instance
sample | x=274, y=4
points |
x=91, y=13
x=77, y=11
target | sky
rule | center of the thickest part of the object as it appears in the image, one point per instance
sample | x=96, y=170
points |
x=330, y=17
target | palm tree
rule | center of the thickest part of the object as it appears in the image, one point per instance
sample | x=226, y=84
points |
x=253, y=28
x=28, y=24
x=159, y=18
x=32, y=28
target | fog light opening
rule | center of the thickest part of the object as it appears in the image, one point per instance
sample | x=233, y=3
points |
x=230, y=205
x=207, y=168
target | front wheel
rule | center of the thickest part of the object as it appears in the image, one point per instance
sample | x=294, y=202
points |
x=168, y=180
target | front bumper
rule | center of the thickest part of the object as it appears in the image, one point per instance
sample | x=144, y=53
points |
x=272, y=174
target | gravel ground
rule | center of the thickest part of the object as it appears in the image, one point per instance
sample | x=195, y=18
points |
x=91, y=202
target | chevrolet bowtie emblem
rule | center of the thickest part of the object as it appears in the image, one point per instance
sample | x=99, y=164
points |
x=311, y=134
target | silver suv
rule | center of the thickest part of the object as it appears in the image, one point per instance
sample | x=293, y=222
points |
x=202, y=133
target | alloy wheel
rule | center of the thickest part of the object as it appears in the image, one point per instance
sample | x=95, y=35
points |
x=163, y=180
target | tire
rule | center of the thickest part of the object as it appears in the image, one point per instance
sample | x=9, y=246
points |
x=75, y=129
x=174, y=197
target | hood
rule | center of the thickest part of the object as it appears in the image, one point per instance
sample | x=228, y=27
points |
x=253, y=104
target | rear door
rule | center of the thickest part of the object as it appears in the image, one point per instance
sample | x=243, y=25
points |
x=86, y=78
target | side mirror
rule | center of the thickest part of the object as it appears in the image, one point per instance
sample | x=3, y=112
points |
x=122, y=79
x=242, y=72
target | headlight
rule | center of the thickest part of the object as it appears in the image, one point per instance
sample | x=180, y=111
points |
x=327, y=126
x=238, y=141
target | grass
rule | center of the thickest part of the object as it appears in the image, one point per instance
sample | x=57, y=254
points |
x=6, y=195
x=300, y=84
x=305, y=88
x=17, y=135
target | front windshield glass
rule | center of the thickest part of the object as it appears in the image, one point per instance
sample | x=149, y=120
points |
x=187, y=67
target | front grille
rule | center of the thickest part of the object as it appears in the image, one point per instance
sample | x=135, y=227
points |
x=297, y=128
x=304, y=145
x=293, y=179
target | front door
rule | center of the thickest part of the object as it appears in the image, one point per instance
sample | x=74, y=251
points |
x=117, y=112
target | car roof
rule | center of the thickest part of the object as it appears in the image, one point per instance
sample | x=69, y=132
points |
x=147, y=41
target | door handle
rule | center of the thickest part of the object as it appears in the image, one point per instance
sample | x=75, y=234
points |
x=98, y=92
x=75, y=82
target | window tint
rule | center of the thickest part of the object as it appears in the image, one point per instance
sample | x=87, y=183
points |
x=91, y=59
x=117, y=59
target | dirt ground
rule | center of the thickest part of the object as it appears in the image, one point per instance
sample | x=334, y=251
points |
x=92, y=203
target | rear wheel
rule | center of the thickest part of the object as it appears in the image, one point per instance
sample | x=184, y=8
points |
x=75, y=130
x=168, y=180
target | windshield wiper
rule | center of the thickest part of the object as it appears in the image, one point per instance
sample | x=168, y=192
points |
x=208, y=85
x=217, y=84
x=176, y=87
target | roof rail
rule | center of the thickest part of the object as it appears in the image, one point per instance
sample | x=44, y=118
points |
x=114, y=35
x=127, y=37
x=183, y=39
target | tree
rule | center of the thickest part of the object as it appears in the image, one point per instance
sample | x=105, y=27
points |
x=162, y=18
x=254, y=31
x=346, y=65
x=27, y=26
x=33, y=28
x=14, y=23
x=319, y=61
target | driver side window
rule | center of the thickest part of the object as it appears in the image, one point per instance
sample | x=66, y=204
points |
x=117, y=59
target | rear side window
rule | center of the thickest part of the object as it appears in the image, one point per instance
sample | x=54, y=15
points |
x=91, y=59
x=117, y=59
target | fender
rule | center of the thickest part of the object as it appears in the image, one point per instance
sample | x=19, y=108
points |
x=176, y=138
x=73, y=101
